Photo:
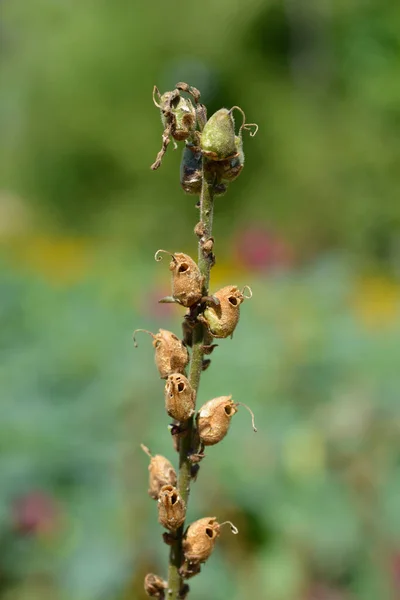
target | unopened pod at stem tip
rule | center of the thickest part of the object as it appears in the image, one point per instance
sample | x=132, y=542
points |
x=214, y=418
x=222, y=317
x=161, y=472
x=200, y=537
x=171, y=355
x=177, y=113
x=218, y=141
x=187, y=281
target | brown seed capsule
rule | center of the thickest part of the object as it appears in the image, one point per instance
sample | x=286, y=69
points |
x=154, y=586
x=222, y=319
x=179, y=397
x=171, y=355
x=187, y=281
x=200, y=538
x=171, y=508
x=161, y=473
x=214, y=418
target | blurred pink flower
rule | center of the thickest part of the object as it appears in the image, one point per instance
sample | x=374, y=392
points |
x=35, y=513
x=260, y=249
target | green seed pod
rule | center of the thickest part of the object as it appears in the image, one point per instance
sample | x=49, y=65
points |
x=171, y=356
x=221, y=320
x=171, y=508
x=191, y=175
x=200, y=537
x=218, y=137
x=187, y=281
x=179, y=397
x=214, y=418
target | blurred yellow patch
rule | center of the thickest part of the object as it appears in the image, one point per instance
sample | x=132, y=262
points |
x=61, y=260
x=304, y=453
x=376, y=301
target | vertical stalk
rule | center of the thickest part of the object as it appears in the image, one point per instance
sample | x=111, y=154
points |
x=196, y=364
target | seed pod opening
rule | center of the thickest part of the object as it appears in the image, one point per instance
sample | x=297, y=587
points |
x=161, y=472
x=179, y=397
x=218, y=137
x=200, y=537
x=154, y=586
x=187, y=281
x=171, y=356
x=221, y=320
x=171, y=508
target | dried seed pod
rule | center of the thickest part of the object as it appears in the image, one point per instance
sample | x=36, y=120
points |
x=214, y=418
x=180, y=397
x=187, y=281
x=222, y=319
x=200, y=538
x=218, y=137
x=154, y=586
x=178, y=111
x=171, y=356
x=171, y=508
x=161, y=473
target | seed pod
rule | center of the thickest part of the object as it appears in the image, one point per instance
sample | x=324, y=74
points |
x=190, y=174
x=178, y=111
x=171, y=355
x=200, y=538
x=154, y=586
x=179, y=397
x=187, y=281
x=218, y=137
x=214, y=418
x=161, y=473
x=221, y=320
x=171, y=508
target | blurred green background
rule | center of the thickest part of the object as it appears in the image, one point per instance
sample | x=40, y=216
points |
x=312, y=225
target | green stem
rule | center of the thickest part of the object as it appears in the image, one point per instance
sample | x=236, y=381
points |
x=187, y=442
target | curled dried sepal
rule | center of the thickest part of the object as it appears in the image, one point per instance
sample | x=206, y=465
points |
x=178, y=116
x=218, y=137
x=221, y=320
x=214, y=418
x=171, y=356
x=161, y=472
x=179, y=397
x=154, y=586
x=200, y=537
x=171, y=508
x=187, y=281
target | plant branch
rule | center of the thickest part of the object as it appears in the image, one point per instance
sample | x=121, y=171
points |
x=199, y=338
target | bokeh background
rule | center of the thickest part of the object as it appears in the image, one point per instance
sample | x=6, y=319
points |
x=312, y=225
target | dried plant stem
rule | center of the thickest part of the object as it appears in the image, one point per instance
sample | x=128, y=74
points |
x=199, y=338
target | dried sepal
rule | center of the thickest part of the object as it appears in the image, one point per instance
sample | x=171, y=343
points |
x=171, y=508
x=180, y=398
x=221, y=320
x=187, y=281
x=154, y=586
x=214, y=418
x=199, y=539
x=161, y=472
x=171, y=355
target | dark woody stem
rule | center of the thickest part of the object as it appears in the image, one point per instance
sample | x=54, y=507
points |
x=200, y=337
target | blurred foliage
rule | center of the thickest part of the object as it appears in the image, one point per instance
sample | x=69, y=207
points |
x=312, y=224
x=79, y=130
